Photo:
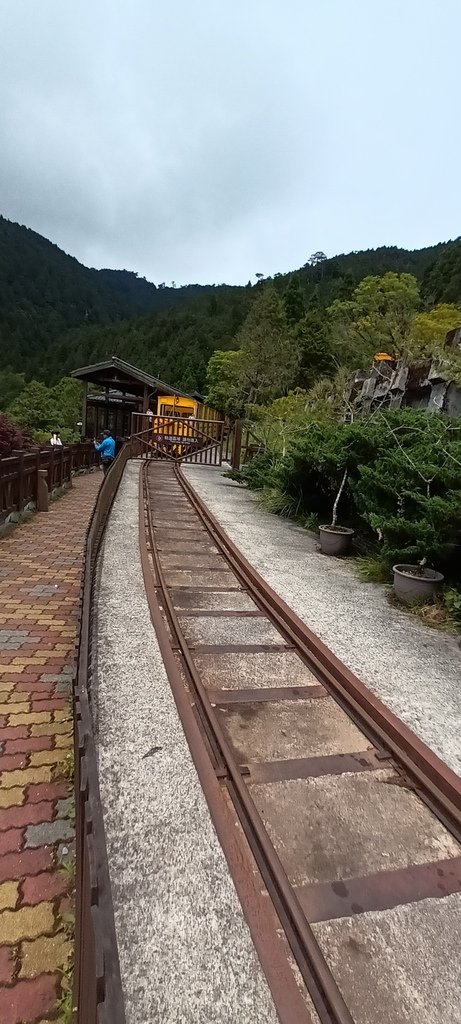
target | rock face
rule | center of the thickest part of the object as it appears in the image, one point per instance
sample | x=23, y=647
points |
x=394, y=384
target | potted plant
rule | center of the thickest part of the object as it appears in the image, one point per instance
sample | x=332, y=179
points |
x=336, y=540
x=416, y=584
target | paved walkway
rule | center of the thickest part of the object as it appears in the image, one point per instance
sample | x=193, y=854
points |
x=40, y=565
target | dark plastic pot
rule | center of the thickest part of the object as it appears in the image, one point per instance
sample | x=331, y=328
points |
x=413, y=586
x=335, y=540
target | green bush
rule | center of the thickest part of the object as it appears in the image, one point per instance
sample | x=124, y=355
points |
x=403, y=485
x=314, y=466
x=452, y=601
x=262, y=471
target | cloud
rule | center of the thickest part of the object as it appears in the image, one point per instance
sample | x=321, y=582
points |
x=211, y=141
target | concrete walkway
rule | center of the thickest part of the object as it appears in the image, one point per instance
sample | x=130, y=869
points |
x=415, y=670
x=40, y=564
x=185, y=950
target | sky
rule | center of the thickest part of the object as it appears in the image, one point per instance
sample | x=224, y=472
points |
x=213, y=140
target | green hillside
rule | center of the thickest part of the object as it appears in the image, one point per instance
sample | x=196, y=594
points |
x=56, y=314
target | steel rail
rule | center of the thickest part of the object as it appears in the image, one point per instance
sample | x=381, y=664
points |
x=261, y=919
x=436, y=784
x=321, y=985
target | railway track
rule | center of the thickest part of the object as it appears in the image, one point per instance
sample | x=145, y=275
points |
x=329, y=810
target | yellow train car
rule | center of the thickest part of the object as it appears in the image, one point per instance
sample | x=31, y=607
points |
x=181, y=424
x=185, y=405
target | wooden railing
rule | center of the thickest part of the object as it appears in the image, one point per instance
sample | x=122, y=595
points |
x=20, y=473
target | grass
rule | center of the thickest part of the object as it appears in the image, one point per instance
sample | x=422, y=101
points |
x=65, y=769
x=234, y=474
x=311, y=522
x=444, y=612
x=372, y=570
x=278, y=504
x=68, y=869
x=65, y=1006
x=435, y=614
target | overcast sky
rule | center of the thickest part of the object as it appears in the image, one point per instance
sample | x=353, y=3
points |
x=210, y=140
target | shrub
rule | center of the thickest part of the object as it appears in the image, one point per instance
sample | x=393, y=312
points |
x=262, y=471
x=452, y=602
x=10, y=436
x=314, y=467
x=410, y=493
x=403, y=482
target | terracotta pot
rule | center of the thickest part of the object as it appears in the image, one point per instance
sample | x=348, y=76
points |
x=415, y=586
x=335, y=540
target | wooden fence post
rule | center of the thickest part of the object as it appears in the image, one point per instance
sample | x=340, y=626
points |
x=20, y=457
x=37, y=474
x=50, y=453
x=43, y=497
x=236, y=445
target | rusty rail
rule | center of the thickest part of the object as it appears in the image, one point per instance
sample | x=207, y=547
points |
x=432, y=781
x=325, y=994
x=436, y=785
x=19, y=473
x=97, y=993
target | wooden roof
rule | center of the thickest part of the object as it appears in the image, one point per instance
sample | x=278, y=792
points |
x=123, y=376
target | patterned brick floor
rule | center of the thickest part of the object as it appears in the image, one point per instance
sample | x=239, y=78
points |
x=40, y=567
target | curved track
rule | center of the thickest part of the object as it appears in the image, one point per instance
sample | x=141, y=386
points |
x=342, y=810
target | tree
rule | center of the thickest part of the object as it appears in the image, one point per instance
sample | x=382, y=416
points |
x=280, y=422
x=270, y=352
x=316, y=258
x=11, y=385
x=66, y=401
x=293, y=301
x=377, y=318
x=429, y=330
x=442, y=280
x=41, y=409
x=224, y=383
x=317, y=358
x=326, y=399
x=34, y=408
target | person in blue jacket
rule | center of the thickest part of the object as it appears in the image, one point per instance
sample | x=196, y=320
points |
x=106, y=450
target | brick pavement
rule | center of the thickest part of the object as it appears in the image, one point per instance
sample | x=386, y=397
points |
x=40, y=566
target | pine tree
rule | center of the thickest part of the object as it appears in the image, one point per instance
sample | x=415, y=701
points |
x=270, y=351
x=293, y=301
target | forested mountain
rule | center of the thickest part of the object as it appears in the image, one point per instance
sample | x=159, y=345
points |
x=336, y=278
x=56, y=314
x=44, y=293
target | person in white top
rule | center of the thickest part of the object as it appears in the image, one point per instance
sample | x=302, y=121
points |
x=55, y=438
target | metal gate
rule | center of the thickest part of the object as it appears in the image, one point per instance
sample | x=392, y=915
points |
x=182, y=439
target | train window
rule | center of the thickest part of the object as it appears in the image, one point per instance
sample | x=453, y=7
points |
x=169, y=410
